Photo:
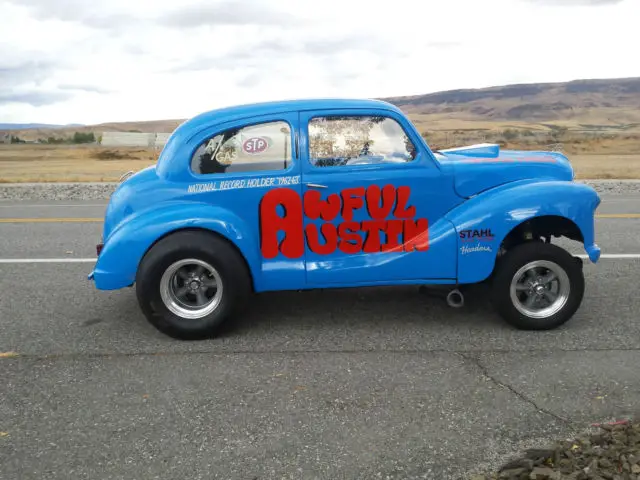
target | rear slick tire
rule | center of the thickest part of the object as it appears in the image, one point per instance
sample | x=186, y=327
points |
x=537, y=286
x=190, y=282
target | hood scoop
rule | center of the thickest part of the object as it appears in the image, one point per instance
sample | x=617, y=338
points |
x=484, y=150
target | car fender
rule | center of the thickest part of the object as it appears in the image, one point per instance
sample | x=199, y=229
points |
x=483, y=221
x=118, y=261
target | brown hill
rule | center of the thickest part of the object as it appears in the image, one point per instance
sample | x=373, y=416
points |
x=151, y=126
x=610, y=105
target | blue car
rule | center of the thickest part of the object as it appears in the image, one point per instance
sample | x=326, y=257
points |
x=310, y=194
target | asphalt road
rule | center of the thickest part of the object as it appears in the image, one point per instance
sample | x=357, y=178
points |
x=353, y=383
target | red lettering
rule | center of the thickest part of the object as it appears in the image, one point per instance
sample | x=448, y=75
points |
x=402, y=210
x=401, y=233
x=315, y=207
x=292, y=246
x=351, y=200
x=345, y=244
x=416, y=235
x=313, y=238
x=373, y=228
x=373, y=201
x=393, y=230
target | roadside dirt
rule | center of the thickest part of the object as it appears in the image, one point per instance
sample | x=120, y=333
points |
x=610, y=453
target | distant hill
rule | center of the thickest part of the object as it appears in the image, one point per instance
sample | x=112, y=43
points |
x=582, y=105
x=30, y=126
x=152, y=126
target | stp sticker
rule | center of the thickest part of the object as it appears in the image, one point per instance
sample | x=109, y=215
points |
x=255, y=145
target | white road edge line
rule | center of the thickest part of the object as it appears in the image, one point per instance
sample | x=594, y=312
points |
x=614, y=255
x=48, y=260
x=93, y=260
x=84, y=205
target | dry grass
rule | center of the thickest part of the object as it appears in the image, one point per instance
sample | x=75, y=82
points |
x=64, y=163
x=607, y=159
x=606, y=166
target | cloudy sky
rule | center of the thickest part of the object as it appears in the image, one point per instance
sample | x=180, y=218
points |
x=80, y=61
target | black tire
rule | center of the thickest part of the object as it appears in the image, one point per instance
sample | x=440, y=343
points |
x=203, y=246
x=519, y=256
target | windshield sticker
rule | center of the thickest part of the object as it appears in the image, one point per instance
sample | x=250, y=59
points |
x=388, y=209
x=255, y=145
x=244, y=183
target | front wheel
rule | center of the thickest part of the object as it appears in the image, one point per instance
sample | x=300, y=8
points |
x=537, y=286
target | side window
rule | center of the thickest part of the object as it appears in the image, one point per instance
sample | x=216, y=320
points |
x=357, y=140
x=265, y=146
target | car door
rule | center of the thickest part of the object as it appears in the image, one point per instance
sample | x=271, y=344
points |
x=237, y=166
x=374, y=199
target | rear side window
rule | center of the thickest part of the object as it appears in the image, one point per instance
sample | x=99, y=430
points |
x=264, y=146
x=358, y=140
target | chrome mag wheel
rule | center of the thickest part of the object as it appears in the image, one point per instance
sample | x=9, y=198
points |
x=191, y=288
x=540, y=289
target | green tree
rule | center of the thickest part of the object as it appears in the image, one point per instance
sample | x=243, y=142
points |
x=80, y=137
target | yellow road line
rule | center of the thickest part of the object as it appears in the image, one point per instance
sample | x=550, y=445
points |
x=51, y=220
x=100, y=220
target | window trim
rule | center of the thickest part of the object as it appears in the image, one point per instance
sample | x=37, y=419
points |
x=239, y=125
x=333, y=168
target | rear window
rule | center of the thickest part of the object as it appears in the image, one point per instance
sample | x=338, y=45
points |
x=259, y=147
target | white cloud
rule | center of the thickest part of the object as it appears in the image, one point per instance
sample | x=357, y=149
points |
x=64, y=61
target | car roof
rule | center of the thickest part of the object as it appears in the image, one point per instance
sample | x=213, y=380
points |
x=300, y=104
x=237, y=112
x=212, y=118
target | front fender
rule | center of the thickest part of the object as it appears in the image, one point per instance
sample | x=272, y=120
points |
x=483, y=222
x=126, y=245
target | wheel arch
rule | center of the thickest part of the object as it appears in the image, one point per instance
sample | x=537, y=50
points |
x=546, y=226
x=120, y=258
x=206, y=231
x=504, y=215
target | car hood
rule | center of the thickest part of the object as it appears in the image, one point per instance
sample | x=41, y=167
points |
x=484, y=166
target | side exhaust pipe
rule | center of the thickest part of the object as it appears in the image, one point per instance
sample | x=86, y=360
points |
x=455, y=299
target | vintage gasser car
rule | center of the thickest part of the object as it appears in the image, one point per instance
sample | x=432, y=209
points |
x=309, y=194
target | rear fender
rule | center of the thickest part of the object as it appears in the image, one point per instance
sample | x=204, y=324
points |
x=124, y=249
x=483, y=222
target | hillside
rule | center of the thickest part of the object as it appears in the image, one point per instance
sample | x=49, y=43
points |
x=30, y=126
x=68, y=131
x=587, y=105
x=611, y=105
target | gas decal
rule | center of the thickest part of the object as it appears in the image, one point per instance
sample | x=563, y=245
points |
x=403, y=232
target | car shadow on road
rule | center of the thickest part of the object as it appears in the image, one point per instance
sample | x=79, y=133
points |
x=358, y=308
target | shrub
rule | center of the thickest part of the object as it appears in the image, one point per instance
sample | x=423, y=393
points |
x=80, y=137
x=509, y=134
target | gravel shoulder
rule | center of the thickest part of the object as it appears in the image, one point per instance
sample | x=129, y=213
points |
x=102, y=191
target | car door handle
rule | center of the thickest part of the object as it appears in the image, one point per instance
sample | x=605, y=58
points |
x=316, y=185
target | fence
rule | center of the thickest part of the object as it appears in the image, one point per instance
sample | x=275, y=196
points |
x=134, y=139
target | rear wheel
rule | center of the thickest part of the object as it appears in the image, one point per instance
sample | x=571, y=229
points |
x=190, y=282
x=537, y=286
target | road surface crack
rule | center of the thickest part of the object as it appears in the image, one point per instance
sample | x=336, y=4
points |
x=485, y=372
